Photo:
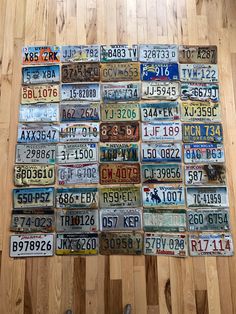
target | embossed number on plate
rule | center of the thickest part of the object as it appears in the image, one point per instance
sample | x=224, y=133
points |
x=122, y=152
x=38, y=133
x=79, y=112
x=33, y=198
x=157, y=173
x=205, y=174
x=80, y=72
x=115, y=72
x=119, y=53
x=37, y=54
x=198, y=54
x=200, y=91
x=120, y=112
x=114, y=92
x=35, y=153
x=161, y=152
x=42, y=74
x=202, y=132
x=76, y=153
x=158, y=53
x=119, y=132
x=201, y=153
x=200, y=111
x=207, y=73
x=80, y=53
x=34, y=175
x=40, y=93
x=78, y=174
x=79, y=132
x=119, y=173
x=87, y=92
x=160, y=90
x=159, y=72
x=160, y=111
x=39, y=113
x=161, y=131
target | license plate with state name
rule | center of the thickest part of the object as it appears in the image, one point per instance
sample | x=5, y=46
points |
x=79, y=132
x=120, y=92
x=119, y=173
x=78, y=174
x=117, y=72
x=80, y=72
x=120, y=112
x=40, y=54
x=87, y=92
x=200, y=111
x=160, y=90
x=204, y=153
x=42, y=74
x=76, y=153
x=157, y=173
x=39, y=113
x=205, y=174
x=80, y=53
x=119, y=53
x=154, y=152
x=122, y=152
x=40, y=93
x=79, y=112
x=161, y=131
x=159, y=72
x=33, y=198
x=35, y=153
x=34, y=175
x=158, y=53
x=207, y=73
x=202, y=132
x=119, y=132
x=200, y=91
x=38, y=133
x=198, y=54
x=160, y=111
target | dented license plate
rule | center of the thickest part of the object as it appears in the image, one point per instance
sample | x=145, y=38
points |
x=119, y=53
x=205, y=174
x=115, y=92
x=35, y=153
x=119, y=173
x=76, y=153
x=128, y=196
x=79, y=112
x=159, y=71
x=40, y=93
x=207, y=73
x=119, y=152
x=41, y=74
x=160, y=111
x=33, y=197
x=161, y=131
x=160, y=90
x=80, y=72
x=119, y=132
x=34, y=175
x=154, y=152
x=198, y=54
x=80, y=53
x=87, y=92
x=158, y=53
x=79, y=132
x=38, y=133
x=202, y=132
x=157, y=173
x=204, y=153
x=200, y=111
x=39, y=113
x=116, y=72
x=40, y=54
x=200, y=91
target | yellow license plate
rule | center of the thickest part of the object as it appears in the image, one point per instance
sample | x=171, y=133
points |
x=40, y=93
x=34, y=175
x=116, y=72
x=200, y=111
x=120, y=112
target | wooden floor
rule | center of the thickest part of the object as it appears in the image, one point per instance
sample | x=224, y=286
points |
x=105, y=284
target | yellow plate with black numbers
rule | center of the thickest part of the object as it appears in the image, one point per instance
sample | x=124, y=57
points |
x=34, y=175
x=192, y=111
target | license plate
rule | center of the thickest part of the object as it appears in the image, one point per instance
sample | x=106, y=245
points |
x=26, y=245
x=205, y=174
x=208, y=220
x=161, y=152
x=161, y=131
x=77, y=198
x=34, y=175
x=207, y=196
x=77, y=174
x=201, y=153
x=37, y=220
x=208, y=244
x=128, y=196
x=160, y=111
x=198, y=54
x=207, y=73
x=120, y=112
x=77, y=220
x=40, y=93
x=77, y=244
x=200, y=91
x=80, y=53
x=116, y=72
x=89, y=92
x=200, y=111
x=38, y=133
x=119, y=152
x=119, y=173
x=160, y=90
x=202, y=132
x=159, y=72
x=79, y=112
x=158, y=53
x=115, y=92
x=38, y=54
x=120, y=243
x=158, y=173
x=35, y=154
x=33, y=198
x=39, y=113
x=119, y=53
x=76, y=153
x=119, y=132
x=164, y=220
x=42, y=74
x=79, y=132
x=80, y=72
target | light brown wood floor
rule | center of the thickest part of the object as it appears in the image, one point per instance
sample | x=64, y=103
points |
x=105, y=284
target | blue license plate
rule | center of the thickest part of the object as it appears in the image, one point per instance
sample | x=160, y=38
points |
x=41, y=74
x=159, y=72
x=202, y=132
x=203, y=153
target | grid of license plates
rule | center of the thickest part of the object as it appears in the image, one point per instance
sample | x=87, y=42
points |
x=120, y=151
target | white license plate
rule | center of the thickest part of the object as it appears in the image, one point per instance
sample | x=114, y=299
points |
x=207, y=73
x=160, y=90
x=41, y=74
x=160, y=111
x=80, y=53
x=158, y=53
x=119, y=53
x=35, y=153
x=198, y=111
x=205, y=174
x=204, y=153
x=161, y=131
x=39, y=113
x=38, y=133
x=33, y=198
x=76, y=153
x=79, y=112
x=87, y=92
x=154, y=152
x=79, y=132
x=156, y=173
x=120, y=92
x=200, y=91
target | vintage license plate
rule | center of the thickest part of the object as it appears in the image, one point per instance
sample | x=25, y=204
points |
x=159, y=71
x=155, y=196
x=77, y=198
x=76, y=153
x=34, y=175
x=115, y=92
x=87, y=92
x=39, y=113
x=29, y=245
x=33, y=198
x=160, y=111
x=205, y=174
x=164, y=220
x=128, y=196
x=160, y=90
x=120, y=112
x=79, y=132
x=200, y=111
x=198, y=54
x=208, y=220
x=37, y=220
x=42, y=74
x=80, y=53
x=116, y=72
x=154, y=152
x=207, y=196
x=119, y=173
x=202, y=132
x=207, y=73
x=211, y=244
x=79, y=112
x=158, y=53
x=161, y=131
x=158, y=173
x=120, y=243
x=77, y=244
x=119, y=152
x=165, y=244
x=119, y=132
x=35, y=153
x=204, y=153
x=119, y=53
x=77, y=220
x=78, y=174
x=200, y=91
x=38, y=133
x=80, y=72
x=40, y=54
x=40, y=93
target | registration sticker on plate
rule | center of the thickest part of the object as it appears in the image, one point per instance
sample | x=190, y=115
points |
x=40, y=93
x=200, y=91
x=200, y=111
x=119, y=53
x=79, y=132
x=77, y=174
x=161, y=131
x=207, y=73
x=42, y=74
x=87, y=92
x=158, y=53
x=116, y=72
x=204, y=153
x=160, y=90
x=40, y=54
x=80, y=72
x=77, y=244
x=33, y=198
x=115, y=92
x=39, y=113
x=121, y=243
x=202, y=132
x=207, y=196
x=119, y=132
x=157, y=173
x=198, y=54
x=154, y=152
x=80, y=53
x=120, y=112
x=29, y=245
x=165, y=244
x=79, y=112
x=205, y=174
x=164, y=220
x=119, y=173
x=160, y=111
x=119, y=152
x=34, y=175
x=159, y=71
x=35, y=154
x=76, y=153
x=38, y=133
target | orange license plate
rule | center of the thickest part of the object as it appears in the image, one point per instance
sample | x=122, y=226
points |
x=119, y=173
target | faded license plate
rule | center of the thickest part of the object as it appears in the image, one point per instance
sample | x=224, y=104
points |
x=160, y=111
x=87, y=92
x=116, y=72
x=78, y=174
x=119, y=132
x=113, y=92
x=160, y=90
x=207, y=73
x=80, y=72
x=120, y=112
x=154, y=152
x=76, y=153
x=200, y=111
x=161, y=131
x=80, y=53
x=198, y=54
x=204, y=153
x=119, y=53
x=34, y=175
x=205, y=174
x=158, y=53
x=159, y=71
x=202, y=132
x=39, y=113
x=40, y=93
x=35, y=153
x=42, y=74
x=33, y=198
x=158, y=173
x=38, y=133
x=119, y=173
x=79, y=112
x=40, y=54
x=119, y=152
x=79, y=132
x=200, y=91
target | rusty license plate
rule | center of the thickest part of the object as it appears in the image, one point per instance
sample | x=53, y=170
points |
x=120, y=112
x=40, y=54
x=40, y=93
x=119, y=152
x=119, y=173
x=204, y=153
x=80, y=72
x=34, y=175
x=160, y=90
x=202, y=132
x=79, y=132
x=120, y=92
x=205, y=174
x=200, y=111
x=116, y=72
x=119, y=132
x=35, y=153
x=33, y=198
x=158, y=173
x=198, y=54
x=89, y=53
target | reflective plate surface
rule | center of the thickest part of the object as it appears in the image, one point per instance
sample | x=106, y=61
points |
x=159, y=71
x=42, y=74
x=161, y=152
x=160, y=111
x=38, y=133
x=204, y=153
x=33, y=197
x=39, y=113
x=157, y=173
x=158, y=53
x=76, y=153
x=161, y=131
x=160, y=90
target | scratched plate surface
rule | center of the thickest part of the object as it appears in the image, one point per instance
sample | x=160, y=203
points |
x=123, y=152
x=119, y=132
x=80, y=53
x=76, y=153
x=38, y=133
x=39, y=113
x=120, y=243
x=202, y=132
x=200, y=91
x=158, y=53
x=205, y=174
x=204, y=153
x=119, y=173
x=35, y=153
x=77, y=174
x=157, y=173
x=200, y=111
x=33, y=198
x=159, y=71
x=79, y=112
x=87, y=92
x=120, y=92
x=207, y=73
x=80, y=72
x=154, y=152
x=160, y=90
x=116, y=72
x=79, y=132
x=34, y=175
x=42, y=74
x=119, y=53
x=40, y=93
x=76, y=244
x=160, y=111
x=198, y=54
x=40, y=54
x=161, y=131
x=120, y=112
